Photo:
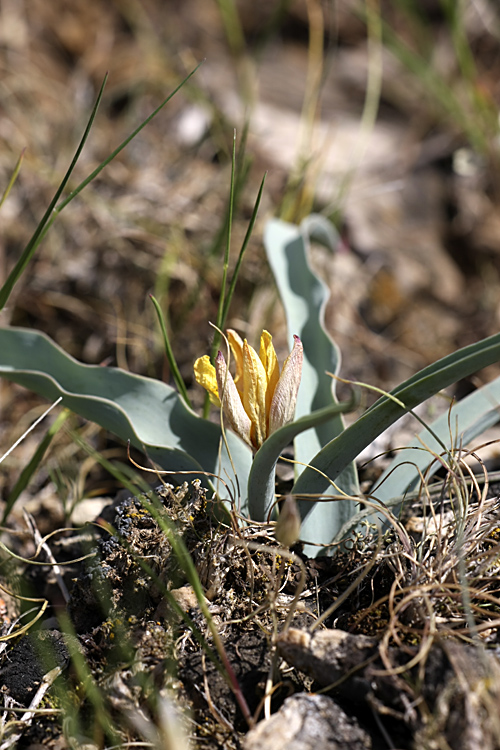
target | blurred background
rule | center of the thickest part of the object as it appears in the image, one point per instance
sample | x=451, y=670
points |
x=381, y=114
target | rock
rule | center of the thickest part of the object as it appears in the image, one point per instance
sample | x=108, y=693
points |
x=308, y=722
x=329, y=656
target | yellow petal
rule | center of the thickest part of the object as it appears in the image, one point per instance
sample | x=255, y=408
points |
x=285, y=395
x=205, y=375
x=236, y=344
x=233, y=408
x=254, y=393
x=267, y=355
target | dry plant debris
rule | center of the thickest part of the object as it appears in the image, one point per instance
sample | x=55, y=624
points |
x=398, y=659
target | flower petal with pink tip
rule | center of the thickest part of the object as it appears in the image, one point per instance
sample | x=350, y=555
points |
x=284, y=398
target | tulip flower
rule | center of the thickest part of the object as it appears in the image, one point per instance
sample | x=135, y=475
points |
x=260, y=399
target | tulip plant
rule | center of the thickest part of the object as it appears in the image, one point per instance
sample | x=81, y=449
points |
x=258, y=404
x=266, y=409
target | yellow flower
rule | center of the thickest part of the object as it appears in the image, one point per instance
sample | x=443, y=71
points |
x=259, y=400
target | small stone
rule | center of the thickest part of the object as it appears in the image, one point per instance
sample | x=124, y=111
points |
x=308, y=722
x=328, y=656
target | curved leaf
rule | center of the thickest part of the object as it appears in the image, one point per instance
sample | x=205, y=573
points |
x=261, y=480
x=342, y=450
x=469, y=418
x=304, y=296
x=147, y=412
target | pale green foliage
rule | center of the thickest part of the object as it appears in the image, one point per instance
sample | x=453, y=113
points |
x=330, y=450
x=155, y=418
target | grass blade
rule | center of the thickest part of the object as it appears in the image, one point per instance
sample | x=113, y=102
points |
x=33, y=464
x=181, y=386
x=123, y=144
x=52, y=212
x=46, y=221
x=222, y=298
x=242, y=253
x=13, y=178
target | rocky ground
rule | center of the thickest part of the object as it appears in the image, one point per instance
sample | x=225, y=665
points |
x=370, y=649
x=414, y=192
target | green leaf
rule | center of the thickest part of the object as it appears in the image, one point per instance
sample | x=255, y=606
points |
x=304, y=296
x=468, y=419
x=261, y=480
x=341, y=451
x=147, y=412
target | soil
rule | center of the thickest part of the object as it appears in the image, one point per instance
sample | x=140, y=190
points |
x=382, y=670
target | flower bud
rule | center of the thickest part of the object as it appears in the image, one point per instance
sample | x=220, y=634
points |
x=287, y=530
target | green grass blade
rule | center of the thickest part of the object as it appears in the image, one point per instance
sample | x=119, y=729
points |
x=186, y=562
x=242, y=253
x=47, y=218
x=52, y=212
x=437, y=87
x=181, y=386
x=232, y=26
x=222, y=297
x=89, y=687
x=143, y=491
x=123, y=144
x=238, y=177
x=13, y=178
x=33, y=464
